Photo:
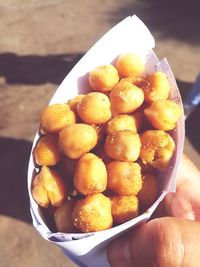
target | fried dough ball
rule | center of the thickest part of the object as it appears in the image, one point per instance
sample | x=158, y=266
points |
x=39, y=193
x=124, y=178
x=123, y=145
x=103, y=78
x=147, y=196
x=157, y=148
x=94, y=108
x=77, y=139
x=46, y=151
x=163, y=114
x=73, y=105
x=125, y=122
x=55, y=117
x=63, y=217
x=90, y=175
x=93, y=213
x=155, y=86
x=48, y=188
x=124, y=208
x=126, y=98
x=74, y=102
x=130, y=64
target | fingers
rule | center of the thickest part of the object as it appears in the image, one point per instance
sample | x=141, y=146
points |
x=185, y=202
x=164, y=242
x=187, y=170
x=133, y=250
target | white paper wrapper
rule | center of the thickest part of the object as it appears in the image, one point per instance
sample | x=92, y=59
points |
x=130, y=35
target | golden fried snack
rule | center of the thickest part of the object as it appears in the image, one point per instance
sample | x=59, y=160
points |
x=63, y=217
x=126, y=97
x=147, y=196
x=55, y=117
x=157, y=148
x=125, y=122
x=90, y=175
x=130, y=64
x=39, y=193
x=74, y=102
x=48, y=188
x=46, y=151
x=93, y=213
x=124, y=208
x=163, y=114
x=155, y=86
x=94, y=108
x=103, y=78
x=123, y=145
x=124, y=178
x=77, y=139
x=73, y=105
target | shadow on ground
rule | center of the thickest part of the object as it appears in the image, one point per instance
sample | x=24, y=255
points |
x=36, y=70
x=184, y=88
x=193, y=128
x=173, y=19
x=14, y=156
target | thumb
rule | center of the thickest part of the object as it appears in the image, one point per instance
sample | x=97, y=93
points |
x=134, y=247
x=161, y=242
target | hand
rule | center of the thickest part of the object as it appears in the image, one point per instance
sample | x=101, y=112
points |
x=166, y=242
x=185, y=203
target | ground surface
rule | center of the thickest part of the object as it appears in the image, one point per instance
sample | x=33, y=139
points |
x=39, y=43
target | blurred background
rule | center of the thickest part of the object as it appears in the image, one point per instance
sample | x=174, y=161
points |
x=40, y=41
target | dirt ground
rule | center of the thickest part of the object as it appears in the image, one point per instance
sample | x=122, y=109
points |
x=40, y=41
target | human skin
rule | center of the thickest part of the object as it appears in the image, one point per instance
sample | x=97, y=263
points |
x=166, y=241
x=185, y=203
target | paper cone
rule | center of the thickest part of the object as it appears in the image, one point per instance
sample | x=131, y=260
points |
x=130, y=35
